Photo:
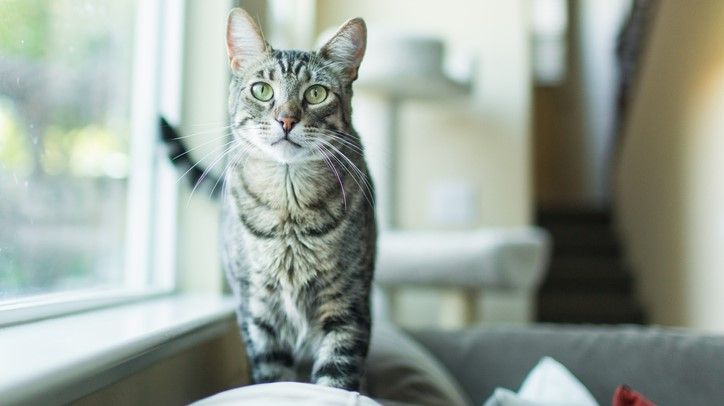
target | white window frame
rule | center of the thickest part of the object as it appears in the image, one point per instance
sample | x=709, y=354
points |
x=149, y=269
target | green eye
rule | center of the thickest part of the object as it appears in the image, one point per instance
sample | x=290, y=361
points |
x=315, y=94
x=262, y=91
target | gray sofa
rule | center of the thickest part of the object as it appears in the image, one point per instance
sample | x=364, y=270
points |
x=670, y=367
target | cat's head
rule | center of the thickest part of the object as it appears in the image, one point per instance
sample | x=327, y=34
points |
x=292, y=105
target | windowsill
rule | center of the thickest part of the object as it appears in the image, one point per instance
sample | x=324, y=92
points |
x=61, y=359
x=40, y=307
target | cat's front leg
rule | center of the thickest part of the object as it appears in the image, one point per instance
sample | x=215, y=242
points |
x=270, y=359
x=341, y=356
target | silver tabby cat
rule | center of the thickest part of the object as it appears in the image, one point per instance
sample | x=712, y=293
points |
x=298, y=226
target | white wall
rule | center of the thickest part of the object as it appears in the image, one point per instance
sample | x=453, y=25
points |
x=671, y=187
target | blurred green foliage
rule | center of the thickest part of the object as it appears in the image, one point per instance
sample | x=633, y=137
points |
x=14, y=154
x=80, y=151
x=24, y=27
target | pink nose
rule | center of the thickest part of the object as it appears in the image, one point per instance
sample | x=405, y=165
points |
x=287, y=123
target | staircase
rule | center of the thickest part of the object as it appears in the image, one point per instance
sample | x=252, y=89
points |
x=588, y=281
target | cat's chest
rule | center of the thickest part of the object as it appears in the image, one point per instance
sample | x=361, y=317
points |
x=287, y=270
x=292, y=223
x=287, y=260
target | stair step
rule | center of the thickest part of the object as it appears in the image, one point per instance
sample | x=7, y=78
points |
x=586, y=282
x=586, y=262
x=631, y=317
x=578, y=233
x=592, y=272
x=573, y=307
x=586, y=274
x=587, y=267
x=573, y=216
x=584, y=239
x=598, y=251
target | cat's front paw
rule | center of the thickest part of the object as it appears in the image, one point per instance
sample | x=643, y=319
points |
x=273, y=374
x=337, y=380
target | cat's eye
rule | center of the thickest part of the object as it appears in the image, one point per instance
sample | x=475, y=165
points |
x=315, y=94
x=262, y=91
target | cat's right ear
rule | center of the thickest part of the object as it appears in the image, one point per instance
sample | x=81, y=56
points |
x=244, y=40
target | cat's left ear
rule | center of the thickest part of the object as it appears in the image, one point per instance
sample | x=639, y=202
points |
x=347, y=47
x=244, y=40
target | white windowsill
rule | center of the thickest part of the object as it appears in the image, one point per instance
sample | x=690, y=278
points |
x=39, y=307
x=57, y=360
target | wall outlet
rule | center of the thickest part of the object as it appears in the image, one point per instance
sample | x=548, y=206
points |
x=452, y=203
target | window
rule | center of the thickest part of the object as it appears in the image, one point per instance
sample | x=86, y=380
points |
x=81, y=179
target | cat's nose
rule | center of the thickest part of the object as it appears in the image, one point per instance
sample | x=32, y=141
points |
x=287, y=122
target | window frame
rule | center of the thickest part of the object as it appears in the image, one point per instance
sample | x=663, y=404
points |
x=152, y=186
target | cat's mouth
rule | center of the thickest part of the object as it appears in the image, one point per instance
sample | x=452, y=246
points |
x=285, y=139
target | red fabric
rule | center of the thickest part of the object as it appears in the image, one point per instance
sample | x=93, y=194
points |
x=625, y=396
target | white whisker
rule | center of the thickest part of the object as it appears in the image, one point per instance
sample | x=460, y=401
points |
x=354, y=172
x=207, y=142
x=232, y=163
x=201, y=160
x=329, y=164
x=210, y=167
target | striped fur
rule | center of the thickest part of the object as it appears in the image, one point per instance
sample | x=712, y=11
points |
x=298, y=225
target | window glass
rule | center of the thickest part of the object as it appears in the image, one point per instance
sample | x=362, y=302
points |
x=65, y=91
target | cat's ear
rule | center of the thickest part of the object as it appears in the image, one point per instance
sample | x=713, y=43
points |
x=244, y=40
x=347, y=46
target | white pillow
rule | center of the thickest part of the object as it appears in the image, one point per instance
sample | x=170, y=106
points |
x=287, y=394
x=548, y=384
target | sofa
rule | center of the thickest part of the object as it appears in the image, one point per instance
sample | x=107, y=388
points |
x=668, y=366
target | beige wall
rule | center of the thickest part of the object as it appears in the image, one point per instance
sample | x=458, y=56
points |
x=483, y=140
x=561, y=170
x=671, y=178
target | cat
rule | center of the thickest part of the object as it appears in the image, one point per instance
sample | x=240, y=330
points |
x=298, y=229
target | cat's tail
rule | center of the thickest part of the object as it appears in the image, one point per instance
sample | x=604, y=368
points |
x=181, y=158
